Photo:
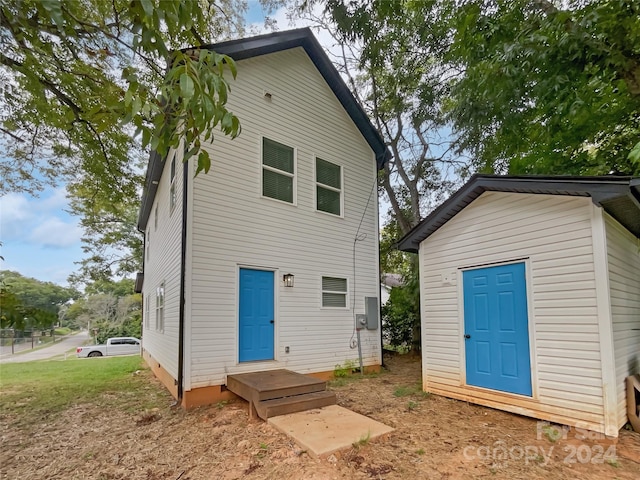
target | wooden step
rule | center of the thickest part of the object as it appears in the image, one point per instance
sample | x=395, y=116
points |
x=297, y=403
x=259, y=386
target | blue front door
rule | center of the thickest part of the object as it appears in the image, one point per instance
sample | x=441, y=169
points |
x=496, y=328
x=256, y=315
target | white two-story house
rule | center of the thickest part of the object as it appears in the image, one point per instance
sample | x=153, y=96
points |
x=264, y=262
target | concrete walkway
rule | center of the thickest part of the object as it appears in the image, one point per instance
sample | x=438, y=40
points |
x=47, y=352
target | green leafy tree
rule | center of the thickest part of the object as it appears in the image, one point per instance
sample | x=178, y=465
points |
x=392, y=260
x=120, y=288
x=29, y=303
x=82, y=76
x=401, y=315
x=12, y=311
x=546, y=88
x=109, y=307
x=88, y=85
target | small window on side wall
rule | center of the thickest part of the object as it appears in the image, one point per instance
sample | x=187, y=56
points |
x=147, y=312
x=334, y=292
x=160, y=308
x=155, y=218
x=328, y=187
x=278, y=171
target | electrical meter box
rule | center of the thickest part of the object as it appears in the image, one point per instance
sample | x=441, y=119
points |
x=361, y=321
x=372, y=311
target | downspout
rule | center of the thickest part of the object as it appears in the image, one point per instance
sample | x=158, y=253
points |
x=183, y=261
x=142, y=303
x=380, y=316
x=380, y=273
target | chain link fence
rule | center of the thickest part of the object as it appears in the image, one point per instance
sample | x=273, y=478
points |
x=16, y=341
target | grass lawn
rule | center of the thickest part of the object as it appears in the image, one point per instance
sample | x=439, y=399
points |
x=62, y=331
x=42, y=388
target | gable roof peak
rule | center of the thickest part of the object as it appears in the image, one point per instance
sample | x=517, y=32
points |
x=255, y=46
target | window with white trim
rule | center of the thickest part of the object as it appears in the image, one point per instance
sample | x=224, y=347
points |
x=160, y=308
x=328, y=187
x=334, y=292
x=155, y=218
x=172, y=188
x=147, y=312
x=278, y=171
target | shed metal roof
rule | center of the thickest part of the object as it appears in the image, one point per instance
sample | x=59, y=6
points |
x=261, y=45
x=618, y=196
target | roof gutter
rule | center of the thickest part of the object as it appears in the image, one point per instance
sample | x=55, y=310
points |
x=154, y=172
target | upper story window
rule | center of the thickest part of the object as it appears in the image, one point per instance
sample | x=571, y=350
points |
x=278, y=171
x=328, y=187
x=334, y=292
x=155, y=218
x=172, y=188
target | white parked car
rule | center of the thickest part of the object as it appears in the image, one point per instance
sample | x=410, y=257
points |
x=114, y=346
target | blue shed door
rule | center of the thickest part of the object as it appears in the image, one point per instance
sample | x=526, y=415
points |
x=256, y=315
x=496, y=328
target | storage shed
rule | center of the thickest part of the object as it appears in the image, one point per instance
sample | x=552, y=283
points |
x=530, y=296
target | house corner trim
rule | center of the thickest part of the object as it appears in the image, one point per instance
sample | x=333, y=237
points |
x=605, y=327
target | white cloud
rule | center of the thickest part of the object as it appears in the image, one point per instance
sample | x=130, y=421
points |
x=56, y=201
x=39, y=222
x=15, y=214
x=56, y=233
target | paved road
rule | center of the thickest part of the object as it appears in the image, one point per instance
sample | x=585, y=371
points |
x=44, y=353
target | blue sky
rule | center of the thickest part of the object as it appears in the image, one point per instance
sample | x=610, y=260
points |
x=39, y=238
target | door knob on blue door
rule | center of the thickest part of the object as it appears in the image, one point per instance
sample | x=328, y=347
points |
x=467, y=336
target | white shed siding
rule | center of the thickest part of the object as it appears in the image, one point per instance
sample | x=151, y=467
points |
x=234, y=226
x=163, y=264
x=553, y=235
x=623, y=254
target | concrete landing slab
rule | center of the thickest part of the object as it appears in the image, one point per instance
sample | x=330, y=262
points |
x=323, y=431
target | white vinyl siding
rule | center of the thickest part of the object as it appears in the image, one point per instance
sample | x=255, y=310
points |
x=233, y=225
x=623, y=255
x=163, y=265
x=553, y=234
x=278, y=171
x=328, y=187
x=334, y=292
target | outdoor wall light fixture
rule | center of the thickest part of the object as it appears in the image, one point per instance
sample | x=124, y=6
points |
x=287, y=278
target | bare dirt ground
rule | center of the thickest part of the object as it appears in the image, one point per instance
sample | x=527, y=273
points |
x=434, y=438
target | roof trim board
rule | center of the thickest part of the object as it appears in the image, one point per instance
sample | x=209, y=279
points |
x=618, y=196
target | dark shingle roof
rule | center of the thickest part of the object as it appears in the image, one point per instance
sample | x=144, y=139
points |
x=618, y=196
x=262, y=45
